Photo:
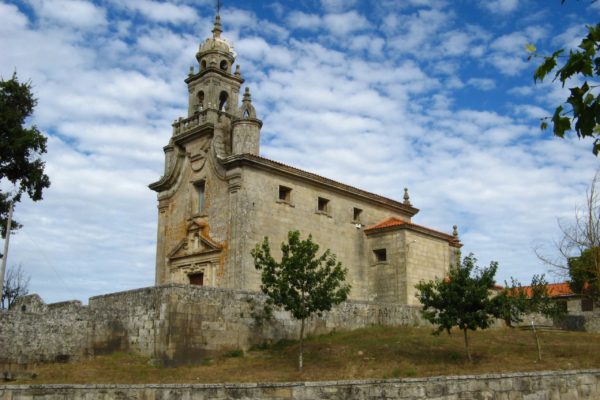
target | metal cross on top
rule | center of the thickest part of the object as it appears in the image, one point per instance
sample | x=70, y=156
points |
x=218, y=6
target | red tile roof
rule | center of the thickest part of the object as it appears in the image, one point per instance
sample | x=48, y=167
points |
x=393, y=222
x=386, y=223
x=554, y=289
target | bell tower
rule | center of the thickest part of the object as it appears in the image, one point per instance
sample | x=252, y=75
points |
x=215, y=88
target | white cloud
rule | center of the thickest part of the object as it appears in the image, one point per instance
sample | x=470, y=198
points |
x=301, y=20
x=346, y=23
x=482, y=83
x=80, y=14
x=501, y=6
x=11, y=18
x=337, y=5
x=161, y=11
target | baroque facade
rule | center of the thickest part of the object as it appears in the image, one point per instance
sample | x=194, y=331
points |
x=218, y=198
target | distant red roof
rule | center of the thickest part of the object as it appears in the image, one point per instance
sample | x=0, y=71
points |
x=554, y=290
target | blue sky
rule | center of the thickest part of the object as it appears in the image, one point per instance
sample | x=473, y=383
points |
x=436, y=96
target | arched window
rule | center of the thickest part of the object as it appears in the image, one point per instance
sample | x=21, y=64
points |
x=224, y=65
x=223, y=101
x=246, y=114
x=203, y=65
x=201, y=99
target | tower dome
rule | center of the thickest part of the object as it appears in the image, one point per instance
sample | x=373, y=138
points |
x=215, y=51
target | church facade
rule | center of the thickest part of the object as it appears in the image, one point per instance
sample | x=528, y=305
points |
x=218, y=198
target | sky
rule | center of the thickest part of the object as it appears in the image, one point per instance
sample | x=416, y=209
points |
x=435, y=96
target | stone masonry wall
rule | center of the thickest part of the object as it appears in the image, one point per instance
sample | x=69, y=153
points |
x=567, y=385
x=173, y=324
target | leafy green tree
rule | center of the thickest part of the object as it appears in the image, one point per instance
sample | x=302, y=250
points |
x=20, y=147
x=460, y=300
x=301, y=283
x=581, y=110
x=584, y=272
x=516, y=301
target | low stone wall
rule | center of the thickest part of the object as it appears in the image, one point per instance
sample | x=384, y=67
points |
x=173, y=324
x=571, y=385
x=588, y=321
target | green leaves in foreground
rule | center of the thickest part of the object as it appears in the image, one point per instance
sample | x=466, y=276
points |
x=581, y=110
x=20, y=147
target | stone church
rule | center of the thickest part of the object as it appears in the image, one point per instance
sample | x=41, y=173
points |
x=218, y=198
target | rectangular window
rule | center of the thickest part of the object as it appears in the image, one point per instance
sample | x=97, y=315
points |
x=323, y=205
x=285, y=194
x=197, y=279
x=200, y=192
x=380, y=255
x=356, y=214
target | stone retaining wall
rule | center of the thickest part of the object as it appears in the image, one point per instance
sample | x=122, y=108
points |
x=555, y=385
x=173, y=324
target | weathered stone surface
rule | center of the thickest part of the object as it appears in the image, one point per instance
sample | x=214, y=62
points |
x=172, y=324
x=476, y=387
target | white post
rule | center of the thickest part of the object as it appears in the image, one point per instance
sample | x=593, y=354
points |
x=5, y=254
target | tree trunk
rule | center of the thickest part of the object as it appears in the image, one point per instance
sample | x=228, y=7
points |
x=301, y=345
x=537, y=341
x=467, y=345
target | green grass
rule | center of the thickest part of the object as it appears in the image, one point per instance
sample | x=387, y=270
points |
x=376, y=352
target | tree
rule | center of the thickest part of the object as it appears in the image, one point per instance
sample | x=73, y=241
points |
x=301, y=283
x=578, y=247
x=516, y=301
x=20, y=147
x=584, y=273
x=460, y=300
x=581, y=110
x=17, y=285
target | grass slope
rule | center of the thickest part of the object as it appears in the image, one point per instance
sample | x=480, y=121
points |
x=376, y=352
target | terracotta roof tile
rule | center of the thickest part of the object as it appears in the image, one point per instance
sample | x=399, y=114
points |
x=554, y=289
x=386, y=223
x=391, y=222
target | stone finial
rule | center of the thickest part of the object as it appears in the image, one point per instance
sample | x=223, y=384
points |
x=406, y=197
x=237, y=70
x=247, y=110
x=247, y=97
x=455, y=232
x=191, y=71
x=217, y=30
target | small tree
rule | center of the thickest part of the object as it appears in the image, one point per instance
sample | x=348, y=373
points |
x=20, y=147
x=584, y=272
x=516, y=301
x=461, y=300
x=301, y=283
x=578, y=247
x=16, y=285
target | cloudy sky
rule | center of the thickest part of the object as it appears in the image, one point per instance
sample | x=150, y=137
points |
x=436, y=96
